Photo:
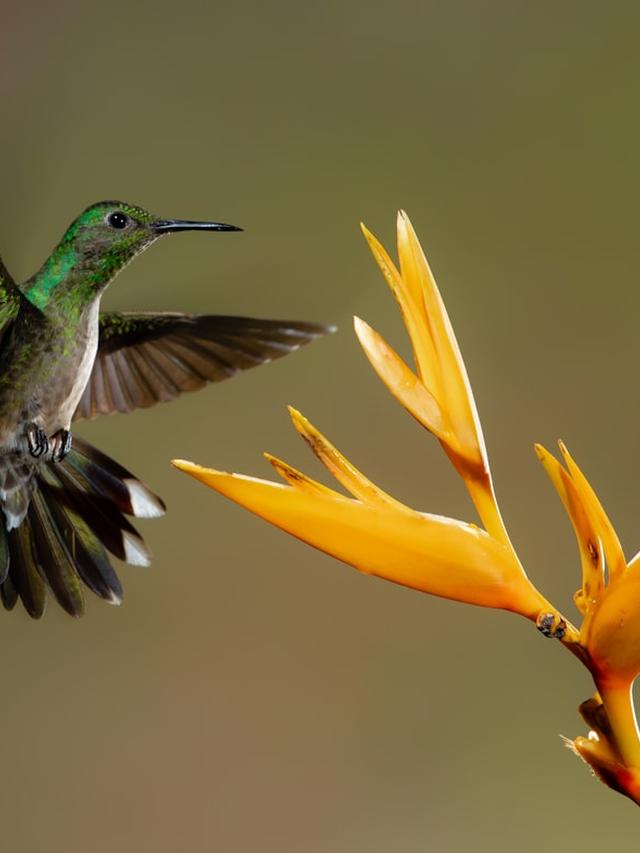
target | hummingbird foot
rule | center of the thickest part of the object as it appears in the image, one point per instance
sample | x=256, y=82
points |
x=37, y=441
x=61, y=442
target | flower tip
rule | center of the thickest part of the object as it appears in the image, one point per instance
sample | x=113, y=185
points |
x=405, y=227
x=370, y=237
x=568, y=458
x=205, y=475
x=361, y=328
x=294, y=414
x=195, y=470
x=183, y=464
x=299, y=421
x=540, y=451
x=280, y=467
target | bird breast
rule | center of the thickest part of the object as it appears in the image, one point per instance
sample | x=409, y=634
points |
x=60, y=402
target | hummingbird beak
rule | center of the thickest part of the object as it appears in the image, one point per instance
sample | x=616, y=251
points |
x=169, y=226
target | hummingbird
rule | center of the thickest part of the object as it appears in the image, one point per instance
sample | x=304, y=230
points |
x=63, y=503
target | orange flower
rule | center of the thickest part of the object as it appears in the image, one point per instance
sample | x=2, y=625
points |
x=607, y=765
x=609, y=600
x=374, y=532
x=439, y=396
x=379, y=535
x=442, y=556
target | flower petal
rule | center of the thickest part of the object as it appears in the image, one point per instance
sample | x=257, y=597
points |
x=612, y=634
x=441, y=398
x=402, y=382
x=429, y=553
x=344, y=472
x=614, y=554
x=607, y=767
x=587, y=537
x=412, y=310
x=297, y=479
x=453, y=389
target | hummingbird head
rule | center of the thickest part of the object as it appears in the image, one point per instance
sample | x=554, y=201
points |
x=98, y=244
x=109, y=234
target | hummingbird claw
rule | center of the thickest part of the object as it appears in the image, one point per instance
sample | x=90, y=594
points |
x=61, y=442
x=37, y=441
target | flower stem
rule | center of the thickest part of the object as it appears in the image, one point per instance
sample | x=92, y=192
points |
x=617, y=699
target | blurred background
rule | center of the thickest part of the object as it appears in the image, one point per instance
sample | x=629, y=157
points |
x=252, y=694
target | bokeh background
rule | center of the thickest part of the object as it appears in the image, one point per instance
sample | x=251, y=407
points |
x=252, y=694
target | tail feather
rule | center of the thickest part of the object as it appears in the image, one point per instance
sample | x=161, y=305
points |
x=24, y=571
x=4, y=554
x=16, y=486
x=54, y=561
x=100, y=473
x=76, y=514
x=9, y=594
x=90, y=558
x=117, y=534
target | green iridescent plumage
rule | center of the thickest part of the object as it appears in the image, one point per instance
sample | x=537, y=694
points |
x=63, y=508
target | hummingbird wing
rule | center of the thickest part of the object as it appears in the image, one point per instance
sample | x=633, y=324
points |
x=144, y=359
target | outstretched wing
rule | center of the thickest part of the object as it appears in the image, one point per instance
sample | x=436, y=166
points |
x=147, y=358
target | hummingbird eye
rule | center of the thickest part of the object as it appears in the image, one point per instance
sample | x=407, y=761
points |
x=118, y=219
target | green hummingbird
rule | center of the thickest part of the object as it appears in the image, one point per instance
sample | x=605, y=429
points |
x=64, y=504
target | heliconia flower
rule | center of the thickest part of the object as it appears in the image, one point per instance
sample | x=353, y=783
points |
x=374, y=532
x=439, y=395
x=377, y=534
x=610, y=594
x=607, y=765
x=602, y=751
x=610, y=633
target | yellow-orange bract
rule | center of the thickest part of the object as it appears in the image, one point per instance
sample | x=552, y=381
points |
x=442, y=556
x=372, y=531
x=609, y=643
x=380, y=537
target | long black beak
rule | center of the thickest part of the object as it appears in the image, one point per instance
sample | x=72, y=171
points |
x=168, y=226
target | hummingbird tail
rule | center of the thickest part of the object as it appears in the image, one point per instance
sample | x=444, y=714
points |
x=75, y=515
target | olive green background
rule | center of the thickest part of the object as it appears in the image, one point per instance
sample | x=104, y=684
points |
x=252, y=694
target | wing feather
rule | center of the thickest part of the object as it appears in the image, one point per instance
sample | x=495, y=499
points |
x=144, y=359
